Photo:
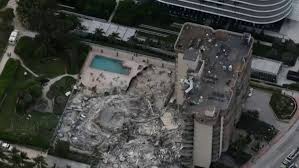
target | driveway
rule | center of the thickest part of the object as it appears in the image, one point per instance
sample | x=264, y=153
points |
x=260, y=101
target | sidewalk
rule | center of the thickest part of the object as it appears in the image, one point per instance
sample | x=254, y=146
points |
x=281, y=137
x=51, y=160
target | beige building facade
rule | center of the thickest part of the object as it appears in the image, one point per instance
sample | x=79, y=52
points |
x=213, y=71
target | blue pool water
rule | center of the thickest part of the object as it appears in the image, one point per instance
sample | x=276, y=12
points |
x=109, y=64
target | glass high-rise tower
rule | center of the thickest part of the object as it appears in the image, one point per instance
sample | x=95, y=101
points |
x=253, y=11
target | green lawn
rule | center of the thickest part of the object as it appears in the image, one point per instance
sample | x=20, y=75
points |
x=43, y=61
x=49, y=67
x=282, y=105
x=261, y=50
x=6, y=17
x=42, y=65
x=58, y=90
x=14, y=127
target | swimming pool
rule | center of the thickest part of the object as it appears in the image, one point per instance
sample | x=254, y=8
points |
x=109, y=64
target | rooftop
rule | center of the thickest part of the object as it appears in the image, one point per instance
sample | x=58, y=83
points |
x=125, y=33
x=191, y=54
x=266, y=65
x=224, y=55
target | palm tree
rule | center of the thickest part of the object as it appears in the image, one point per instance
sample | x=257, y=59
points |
x=114, y=36
x=99, y=33
x=19, y=159
x=40, y=162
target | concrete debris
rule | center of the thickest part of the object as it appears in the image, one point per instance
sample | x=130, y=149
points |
x=127, y=130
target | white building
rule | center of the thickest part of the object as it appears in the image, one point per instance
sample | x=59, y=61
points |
x=125, y=33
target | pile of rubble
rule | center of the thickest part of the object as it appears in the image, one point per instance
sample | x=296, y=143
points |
x=127, y=130
x=123, y=130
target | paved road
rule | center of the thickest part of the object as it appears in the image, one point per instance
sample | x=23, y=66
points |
x=281, y=146
x=274, y=157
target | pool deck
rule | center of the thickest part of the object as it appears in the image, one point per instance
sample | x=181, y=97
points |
x=103, y=80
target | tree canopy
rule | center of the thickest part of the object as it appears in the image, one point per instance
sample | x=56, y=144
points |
x=96, y=8
x=55, y=37
x=131, y=13
x=34, y=13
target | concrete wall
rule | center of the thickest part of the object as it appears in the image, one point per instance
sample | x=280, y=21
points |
x=202, y=150
x=181, y=74
x=192, y=64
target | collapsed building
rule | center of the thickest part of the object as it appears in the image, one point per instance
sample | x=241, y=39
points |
x=182, y=116
x=131, y=129
x=213, y=70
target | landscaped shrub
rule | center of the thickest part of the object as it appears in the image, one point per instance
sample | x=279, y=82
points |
x=96, y=8
x=285, y=52
x=7, y=15
x=292, y=86
x=257, y=128
x=282, y=105
x=25, y=47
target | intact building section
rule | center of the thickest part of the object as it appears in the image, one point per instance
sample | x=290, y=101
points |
x=253, y=11
x=265, y=69
x=213, y=71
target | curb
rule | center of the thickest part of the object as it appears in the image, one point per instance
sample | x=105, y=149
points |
x=278, y=137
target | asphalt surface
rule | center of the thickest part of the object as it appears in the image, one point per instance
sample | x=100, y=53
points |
x=260, y=101
x=279, y=151
x=287, y=140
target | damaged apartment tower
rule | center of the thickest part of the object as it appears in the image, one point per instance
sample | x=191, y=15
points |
x=213, y=71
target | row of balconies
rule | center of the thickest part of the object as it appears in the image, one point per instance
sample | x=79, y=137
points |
x=239, y=11
x=272, y=6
